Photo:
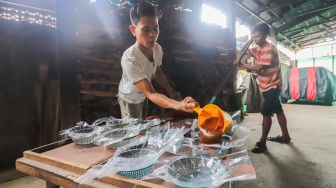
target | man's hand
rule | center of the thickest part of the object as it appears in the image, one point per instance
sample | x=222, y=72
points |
x=187, y=104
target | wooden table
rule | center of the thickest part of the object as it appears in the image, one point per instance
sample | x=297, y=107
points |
x=60, y=163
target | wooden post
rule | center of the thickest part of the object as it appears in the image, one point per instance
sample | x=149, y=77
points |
x=66, y=51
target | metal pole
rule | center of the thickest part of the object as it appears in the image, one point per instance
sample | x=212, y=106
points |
x=313, y=61
x=333, y=64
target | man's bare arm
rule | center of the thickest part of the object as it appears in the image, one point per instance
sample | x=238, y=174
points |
x=163, y=101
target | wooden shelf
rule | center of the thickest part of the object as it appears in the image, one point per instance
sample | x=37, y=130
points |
x=106, y=82
x=97, y=93
x=94, y=59
x=100, y=72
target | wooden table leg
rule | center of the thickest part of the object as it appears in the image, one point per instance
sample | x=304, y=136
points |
x=51, y=185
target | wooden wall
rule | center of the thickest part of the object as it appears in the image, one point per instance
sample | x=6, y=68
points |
x=26, y=52
x=197, y=56
x=39, y=66
x=102, y=36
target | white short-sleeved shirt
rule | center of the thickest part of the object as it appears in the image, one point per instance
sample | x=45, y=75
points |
x=135, y=67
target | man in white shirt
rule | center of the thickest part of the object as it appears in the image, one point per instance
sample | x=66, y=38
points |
x=141, y=63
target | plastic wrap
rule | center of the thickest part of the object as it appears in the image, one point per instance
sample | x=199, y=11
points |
x=236, y=140
x=108, y=131
x=82, y=133
x=236, y=117
x=115, y=138
x=131, y=163
x=137, y=158
x=114, y=122
x=204, y=171
x=163, y=152
x=149, y=125
x=167, y=139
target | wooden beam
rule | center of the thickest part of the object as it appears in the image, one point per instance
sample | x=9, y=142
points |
x=97, y=93
x=99, y=60
x=55, y=175
x=105, y=82
x=103, y=72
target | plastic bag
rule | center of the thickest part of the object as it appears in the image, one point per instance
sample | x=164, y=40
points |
x=82, y=133
x=236, y=140
x=167, y=139
x=137, y=158
x=129, y=163
x=114, y=138
x=115, y=122
x=204, y=171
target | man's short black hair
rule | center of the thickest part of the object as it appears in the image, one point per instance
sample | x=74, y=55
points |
x=262, y=28
x=141, y=8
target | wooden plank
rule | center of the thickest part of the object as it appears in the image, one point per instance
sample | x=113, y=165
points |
x=50, y=112
x=51, y=146
x=100, y=105
x=94, y=59
x=106, y=42
x=130, y=183
x=64, y=178
x=56, y=162
x=54, y=175
x=72, y=157
x=93, y=81
x=101, y=72
x=90, y=29
x=116, y=52
x=97, y=93
x=84, y=155
x=24, y=166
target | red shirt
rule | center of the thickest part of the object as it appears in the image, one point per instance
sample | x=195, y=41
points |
x=269, y=75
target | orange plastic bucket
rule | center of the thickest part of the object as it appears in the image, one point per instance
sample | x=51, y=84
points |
x=213, y=123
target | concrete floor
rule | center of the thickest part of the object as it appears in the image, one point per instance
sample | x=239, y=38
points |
x=308, y=162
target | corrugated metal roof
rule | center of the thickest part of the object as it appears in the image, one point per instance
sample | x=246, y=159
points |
x=298, y=23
